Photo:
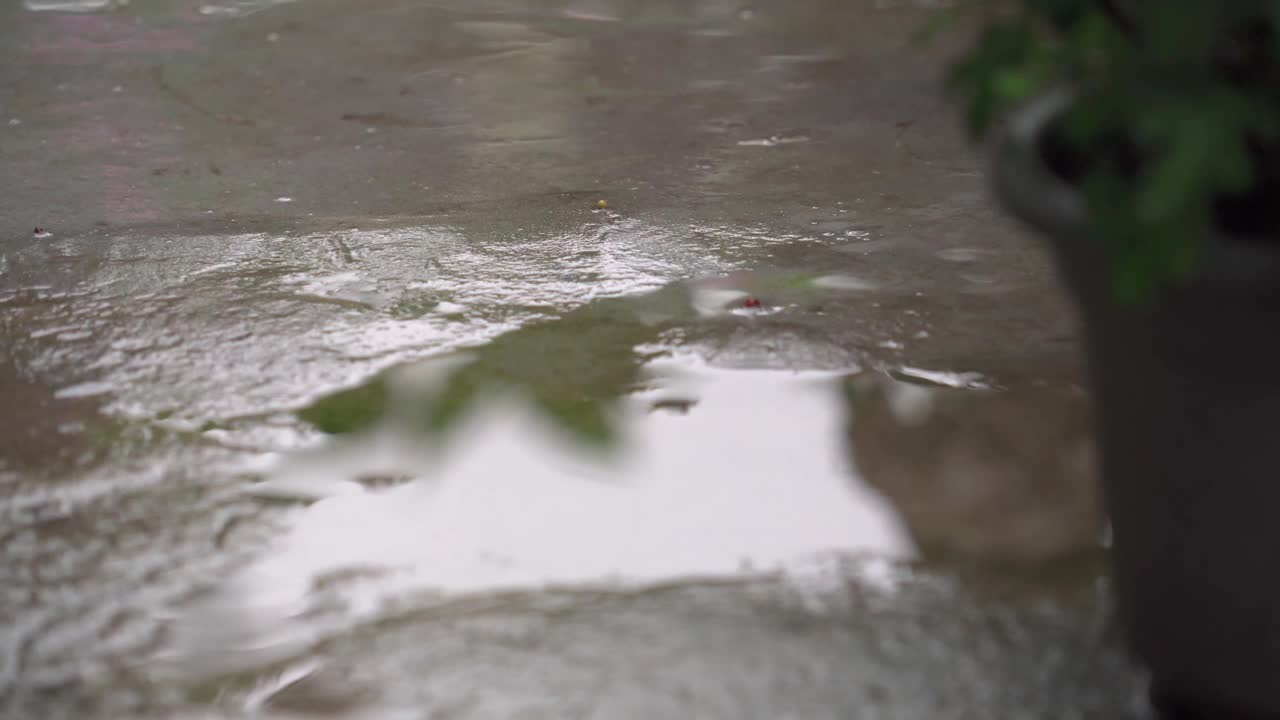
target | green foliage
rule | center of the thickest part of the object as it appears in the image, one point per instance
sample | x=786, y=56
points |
x=1171, y=102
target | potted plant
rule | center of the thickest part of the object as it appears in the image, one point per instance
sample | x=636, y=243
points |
x=1143, y=141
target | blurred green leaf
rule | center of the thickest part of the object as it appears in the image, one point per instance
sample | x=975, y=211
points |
x=1172, y=100
x=1011, y=84
x=1010, y=60
x=1198, y=146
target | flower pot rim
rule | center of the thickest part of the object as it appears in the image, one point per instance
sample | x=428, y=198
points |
x=1033, y=192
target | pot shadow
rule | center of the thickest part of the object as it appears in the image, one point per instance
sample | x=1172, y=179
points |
x=986, y=477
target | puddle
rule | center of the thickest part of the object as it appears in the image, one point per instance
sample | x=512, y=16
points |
x=88, y=389
x=964, y=255
x=76, y=6
x=943, y=378
x=843, y=282
x=239, y=8
x=774, y=141
x=750, y=479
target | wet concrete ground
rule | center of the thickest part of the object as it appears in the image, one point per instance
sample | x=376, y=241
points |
x=867, y=498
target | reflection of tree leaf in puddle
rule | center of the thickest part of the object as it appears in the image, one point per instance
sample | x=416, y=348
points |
x=349, y=410
x=573, y=368
x=585, y=419
x=453, y=402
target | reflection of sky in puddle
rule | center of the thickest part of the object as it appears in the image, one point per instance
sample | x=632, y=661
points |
x=752, y=478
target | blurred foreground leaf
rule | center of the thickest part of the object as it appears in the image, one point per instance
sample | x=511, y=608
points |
x=1175, y=110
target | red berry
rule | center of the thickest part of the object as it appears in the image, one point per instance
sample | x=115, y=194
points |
x=752, y=302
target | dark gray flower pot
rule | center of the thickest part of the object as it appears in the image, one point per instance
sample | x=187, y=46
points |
x=1187, y=419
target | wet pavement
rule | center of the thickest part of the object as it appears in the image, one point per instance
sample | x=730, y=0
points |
x=851, y=476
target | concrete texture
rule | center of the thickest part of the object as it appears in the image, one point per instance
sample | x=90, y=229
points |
x=249, y=204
